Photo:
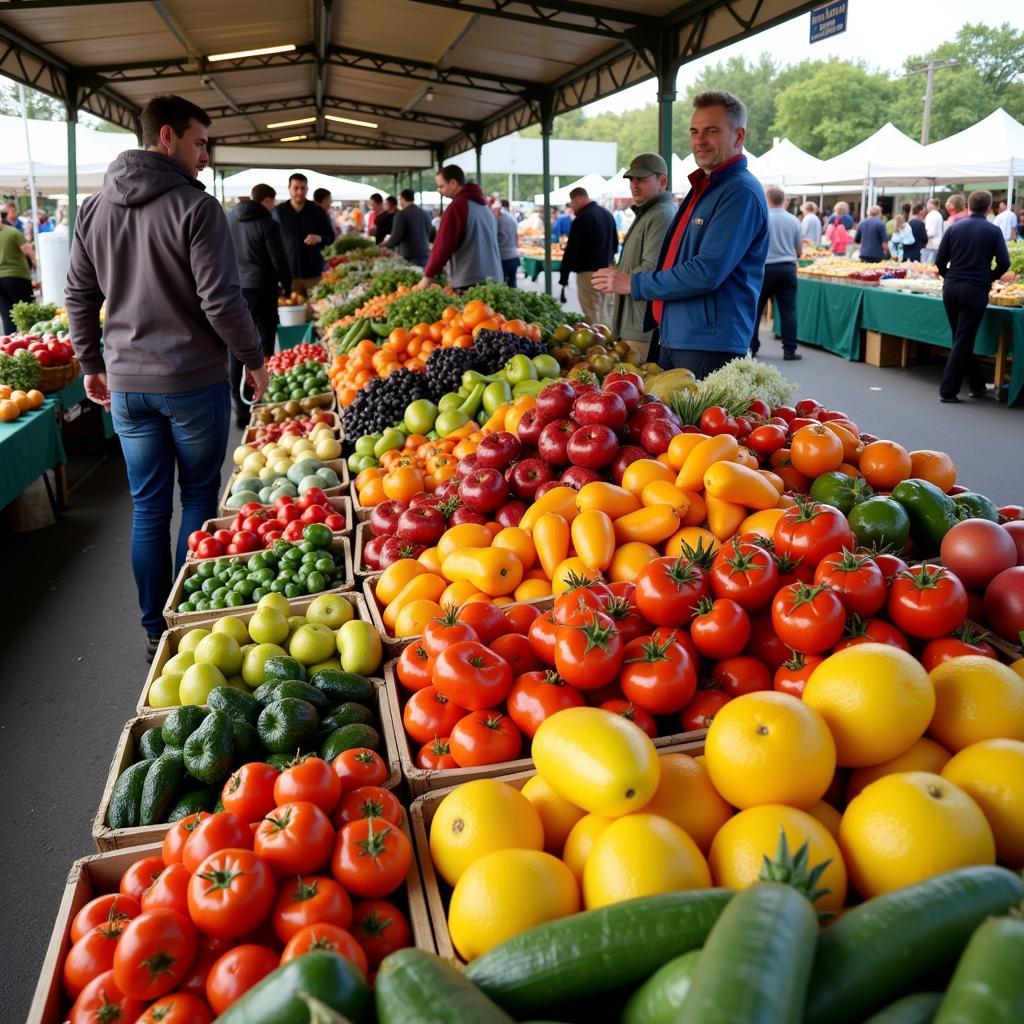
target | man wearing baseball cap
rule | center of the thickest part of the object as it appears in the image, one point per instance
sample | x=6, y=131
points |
x=653, y=211
x=703, y=293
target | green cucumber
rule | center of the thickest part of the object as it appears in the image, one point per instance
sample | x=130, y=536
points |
x=932, y=513
x=659, y=999
x=880, y=949
x=181, y=723
x=756, y=962
x=918, y=1008
x=287, y=725
x=303, y=691
x=416, y=986
x=238, y=706
x=348, y=737
x=151, y=743
x=126, y=796
x=343, y=686
x=349, y=713
x=988, y=983
x=161, y=787
x=595, y=951
x=193, y=802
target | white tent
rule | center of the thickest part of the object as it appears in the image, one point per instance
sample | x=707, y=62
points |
x=683, y=168
x=861, y=163
x=786, y=162
x=593, y=183
x=237, y=185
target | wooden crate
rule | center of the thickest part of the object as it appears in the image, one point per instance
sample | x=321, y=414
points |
x=324, y=400
x=336, y=428
x=177, y=595
x=340, y=466
x=886, y=349
x=168, y=645
x=362, y=535
x=438, y=892
x=362, y=512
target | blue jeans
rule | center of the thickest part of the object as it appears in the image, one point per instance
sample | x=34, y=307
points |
x=189, y=429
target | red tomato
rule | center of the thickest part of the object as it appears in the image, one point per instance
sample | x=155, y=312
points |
x=360, y=766
x=208, y=952
x=174, y=842
x=104, y=910
x=315, y=899
x=484, y=737
x=414, y=667
x=161, y=937
x=140, y=876
x=890, y=565
x=327, y=937
x=810, y=530
x=177, y=1008
x=249, y=792
x=516, y=649
x=211, y=547
x=295, y=838
x=792, y=675
x=765, y=644
x=855, y=579
x=699, y=713
x=588, y=650
x=793, y=570
x=579, y=599
x=628, y=710
x=542, y=637
x=170, y=890
x=808, y=619
x=716, y=420
x=436, y=755
x=230, y=893
x=380, y=928
x=766, y=439
x=668, y=590
x=945, y=647
x=871, y=631
x=744, y=573
x=520, y=616
x=312, y=780
x=369, y=802
x=658, y=676
x=720, y=629
x=927, y=601
x=91, y=956
x=371, y=858
x=429, y=713
x=236, y=971
x=224, y=831
x=737, y=676
x=102, y=1000
x=335, y=522
x=538, y=695
x=977, y=551
x=620, y=607
x=472, y=676
x=195, y=538
x=444, y=630
x=487, y=619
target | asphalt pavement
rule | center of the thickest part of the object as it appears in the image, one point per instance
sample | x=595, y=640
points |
x=73, y=663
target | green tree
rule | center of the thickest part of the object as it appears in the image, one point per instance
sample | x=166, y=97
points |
x=997, y=54
x=40, y=107
x=960, y=98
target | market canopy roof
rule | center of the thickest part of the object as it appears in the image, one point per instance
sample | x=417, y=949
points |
x=861, y=162
x=786, y=162
x=593, y=183
x=424, y=78
x=241, y=184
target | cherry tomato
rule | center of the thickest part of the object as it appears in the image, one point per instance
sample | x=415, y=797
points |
x=102, y=1000
x=230, y=893
x=327, y=937
x=429, y=713
x=538, y=695
x=436, y=755
x=445, y=630
x=140, y=876
x=102, y=911
x=658, y=676
x=542, y=637
x=174, y=842
x=764, y=643
x=927, y=601
x=792, y=675
x=236, y=971
x=720, y=629
x=945, y=647
x=516, y=649
x=484, y=737
x=161, y=937
x=311, y=779
x=295, y=838
x=808, y=619
x=766, y=439
x=360, y=766
x=224, y=831
x=745, y=573
x=380, y=928
x=668, y=590
x=249, y=792
x=855, y=579
x=315, y=899
x=170, y=890
x=871, y=631
x=632, y=713
x=177, y=1008
x=472, y=676
x=487, y=619
x=368, y=802
x=699, y=713
x=520, y=616
x=91, y=956
x=810, y=530
x=371, y=858
x=414, y=667
x=740, y=675
x=588, y=650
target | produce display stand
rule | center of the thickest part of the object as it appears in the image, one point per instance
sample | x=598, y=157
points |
x=362, y=535
x=177, y=595
x=338, y=465
x=363, y=512
x=30, y=446
x=438, y=892
x=420, y=781
x=335, y=425
x=168, y=645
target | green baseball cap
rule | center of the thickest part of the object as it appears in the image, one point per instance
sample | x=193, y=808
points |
x=645, y=164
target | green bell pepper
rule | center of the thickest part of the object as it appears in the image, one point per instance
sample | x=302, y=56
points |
x=932, y=513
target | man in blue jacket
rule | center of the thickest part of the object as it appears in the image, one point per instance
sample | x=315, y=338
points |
x=703, y=295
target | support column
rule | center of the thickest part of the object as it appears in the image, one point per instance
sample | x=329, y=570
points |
x=71, y=109
x=546, y=123
x=666, y=97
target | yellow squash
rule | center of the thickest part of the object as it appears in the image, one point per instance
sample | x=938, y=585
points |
x=649, y=525
x=551, y=539
x=559, y=499
x=593, y=537
x=723, y=447
x=493, y=571
x=611, y=499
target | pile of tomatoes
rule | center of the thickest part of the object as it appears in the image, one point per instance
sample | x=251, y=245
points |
x=312, y=857
x=294, y=356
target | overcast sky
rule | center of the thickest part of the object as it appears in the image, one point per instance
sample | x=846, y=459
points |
x=882, y=32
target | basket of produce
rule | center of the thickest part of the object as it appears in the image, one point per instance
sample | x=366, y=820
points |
x=305, y=383
x=298, y=477
x=57, y=376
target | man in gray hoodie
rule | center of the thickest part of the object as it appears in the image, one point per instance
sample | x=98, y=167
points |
x=155, y=246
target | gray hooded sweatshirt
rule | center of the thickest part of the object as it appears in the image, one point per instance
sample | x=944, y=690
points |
x=158, y=248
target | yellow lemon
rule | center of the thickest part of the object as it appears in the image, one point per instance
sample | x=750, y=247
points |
x=991, y=772
x=641, y=855
x=505, y=893
x=580, y=842
x=687, y=796
x=976, y=699
x=738, y=851
x=477, y=818
x=770, y=748
x=828, y=816
x=907, y=827
x=557, y=815
x=924, y=755
x=876, y=701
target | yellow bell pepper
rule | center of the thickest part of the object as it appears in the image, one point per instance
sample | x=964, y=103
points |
x=551, y=539
x=493, y=571
x=724, y=517
x=559, y=499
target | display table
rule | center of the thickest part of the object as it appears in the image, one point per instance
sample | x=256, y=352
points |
x=73, y=394
x=828, y=316
x=29, y=447
x=533, y=266
x=298, y=334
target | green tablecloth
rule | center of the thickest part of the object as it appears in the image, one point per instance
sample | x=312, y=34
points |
x=73, y=394
x=533, y=266
x=28, y=448
x=828, y=316
x=289, y=337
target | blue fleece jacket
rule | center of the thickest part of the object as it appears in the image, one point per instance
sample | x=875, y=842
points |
x=711, y=291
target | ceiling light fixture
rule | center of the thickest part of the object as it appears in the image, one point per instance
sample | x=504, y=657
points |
x=262, y=51
x=292, y=124
x=294, y=138
x=430, y=94
x=350, y=120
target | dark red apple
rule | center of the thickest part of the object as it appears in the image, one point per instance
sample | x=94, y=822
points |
x=551, y=445
x=464, y=514
x=422, y=524
x=627, y=454
x=530, y=426
x=510, y=513
x=593, y=446
x=555, y=402
x=371, y=551
x=448, y=489
x=656, y=435
x=423, y=498
x=395, y=549
x=384, y=517
x=526, y=476
x=483, y=490
x=498, y=451
x=578, y=476
x=604, y=407
x=549, y=485
x=466, y=465
x=626, y=391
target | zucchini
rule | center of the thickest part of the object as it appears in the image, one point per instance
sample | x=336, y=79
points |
x=988, y=983
x=238, y=706
x=596, y=950
x=161, y=786
x=192, y=803
x=180, y=724
x=343, y=686
x=126, y=796
x=349, y=713
x=880, y=949
x=659, y=999
x=151, y=743
x=918, y=1008
x=756, y=962
x=416, y=986
x=287, y=725
x=348, y=737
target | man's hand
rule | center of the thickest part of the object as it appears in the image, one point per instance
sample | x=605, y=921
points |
x=96, y=389
x=423, y=282
x=258, y=381
x=312, y=240
x=611, y=282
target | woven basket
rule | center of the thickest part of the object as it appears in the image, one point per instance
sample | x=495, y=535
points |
x=53, y=378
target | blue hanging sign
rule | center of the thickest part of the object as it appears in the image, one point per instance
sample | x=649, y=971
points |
x=828, y=20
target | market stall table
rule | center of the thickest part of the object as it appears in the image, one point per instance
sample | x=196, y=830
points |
x=73, y=394
x=828, y=316
x=29, y=447
x=533, y=266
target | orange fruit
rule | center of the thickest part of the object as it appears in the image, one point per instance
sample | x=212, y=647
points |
x=36, y=398
x=935, y=467
x=924, y=755
x=5, y=391
x=686, y=795
x=976, y=699
x=9, y=410
x=907, y=827
x=815, y=450
x=852, y=444
x=403, y=483
x=885, y=463
x=770, y=748
x=21, y=400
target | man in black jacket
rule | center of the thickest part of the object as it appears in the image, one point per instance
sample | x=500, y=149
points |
x=965, y=261
x=592, y=243
x=385, y=219
x=262, y=266
x=411, y=230
x=305, y=230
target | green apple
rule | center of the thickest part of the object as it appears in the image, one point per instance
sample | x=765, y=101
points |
x=268, y=625
x=234, y=627
x=237, y=683
x=331, y=663
x=197, y=683
x=311, y=643
x=255, y=658
x=419, y=417
x=294, y=622
x=164, y=692
x=546, y=365
x=220, y=650
x=330, y=610
x=188, y=642
x=276, y=601
x=174, y=668
x=360, y=648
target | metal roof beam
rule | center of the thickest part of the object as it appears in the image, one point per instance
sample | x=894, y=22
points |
x=182, y=67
